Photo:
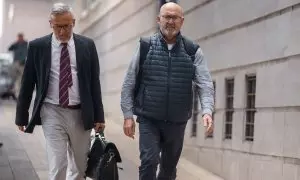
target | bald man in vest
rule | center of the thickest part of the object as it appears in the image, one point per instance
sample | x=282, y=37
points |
x=158, y=90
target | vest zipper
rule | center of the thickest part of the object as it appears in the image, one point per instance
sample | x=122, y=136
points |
x=169, y=82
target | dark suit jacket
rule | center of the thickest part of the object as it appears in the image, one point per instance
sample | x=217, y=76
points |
x=36, y=74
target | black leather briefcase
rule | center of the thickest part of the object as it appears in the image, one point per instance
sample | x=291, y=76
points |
x=103, y=159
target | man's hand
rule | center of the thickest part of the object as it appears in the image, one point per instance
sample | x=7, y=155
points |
x=129, y=127
x=99, y=127
x=21, y=128
x=208, y=124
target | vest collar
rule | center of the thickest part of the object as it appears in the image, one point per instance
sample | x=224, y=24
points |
x=178, y=37
x=177, y=43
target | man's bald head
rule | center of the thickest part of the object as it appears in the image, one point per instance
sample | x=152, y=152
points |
x=170, y=6
x=170, y=20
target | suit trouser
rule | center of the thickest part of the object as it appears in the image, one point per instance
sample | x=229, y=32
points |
x=18, y=72
x=67, y=142
x=160, y=143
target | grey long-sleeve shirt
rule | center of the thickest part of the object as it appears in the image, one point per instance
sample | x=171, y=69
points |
x=202, y=79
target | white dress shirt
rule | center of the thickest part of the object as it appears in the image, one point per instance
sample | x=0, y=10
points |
x=53, y=88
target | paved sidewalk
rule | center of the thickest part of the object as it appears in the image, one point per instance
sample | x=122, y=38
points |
x=23, y=156
x=16, y=162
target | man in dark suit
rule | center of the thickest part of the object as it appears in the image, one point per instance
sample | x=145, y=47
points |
x=64, y=69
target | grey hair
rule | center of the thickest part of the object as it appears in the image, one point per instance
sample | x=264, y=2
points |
x=60, y=8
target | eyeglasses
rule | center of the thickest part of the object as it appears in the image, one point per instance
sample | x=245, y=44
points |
x=174, y=18
x=64, y=27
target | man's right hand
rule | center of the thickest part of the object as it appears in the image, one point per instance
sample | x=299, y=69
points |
x=208, y=123
x=21, y=128
x=129, y=127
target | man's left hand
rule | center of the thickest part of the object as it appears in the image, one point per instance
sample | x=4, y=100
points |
x=99, y=127
x=208, y=124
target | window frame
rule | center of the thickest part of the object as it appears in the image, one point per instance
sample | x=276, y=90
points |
x=250, y=108
x=229, y=107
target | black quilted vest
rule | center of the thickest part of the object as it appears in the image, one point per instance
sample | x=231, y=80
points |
x=165, y=92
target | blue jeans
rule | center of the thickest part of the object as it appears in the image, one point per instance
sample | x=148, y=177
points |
x=160, y=143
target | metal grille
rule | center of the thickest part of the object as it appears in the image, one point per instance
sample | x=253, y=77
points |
x=229, y=83
x=250, y=107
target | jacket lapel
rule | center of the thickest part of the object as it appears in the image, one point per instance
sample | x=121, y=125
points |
x=47, y=58
x=79, y=48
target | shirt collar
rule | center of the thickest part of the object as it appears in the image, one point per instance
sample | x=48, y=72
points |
x=57, y=42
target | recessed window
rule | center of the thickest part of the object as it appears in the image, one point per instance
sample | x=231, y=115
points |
x=229, y=85
x=250, y=107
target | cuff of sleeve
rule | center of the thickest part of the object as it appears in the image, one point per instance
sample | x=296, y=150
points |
x=128, y=115
x=99, y=121
x=207, y=111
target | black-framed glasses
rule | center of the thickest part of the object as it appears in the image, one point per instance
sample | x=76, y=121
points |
x=60, y=27
x=169, y=17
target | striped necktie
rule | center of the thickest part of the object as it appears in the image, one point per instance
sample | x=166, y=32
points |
x=65, y=76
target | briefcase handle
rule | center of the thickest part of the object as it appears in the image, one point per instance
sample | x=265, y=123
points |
x=100, y=135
